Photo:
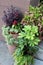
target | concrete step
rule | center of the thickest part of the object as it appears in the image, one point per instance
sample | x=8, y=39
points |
x=39, y=53
x=38, y=62
x=5, y=57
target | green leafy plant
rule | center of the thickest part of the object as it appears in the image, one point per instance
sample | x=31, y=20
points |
x=30, y=33
x=34, y=16
x=8, y=37
x=27, y=45
x=8, y=31
x=16, y=28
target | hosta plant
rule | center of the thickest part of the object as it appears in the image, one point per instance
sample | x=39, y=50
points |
x=27, y=45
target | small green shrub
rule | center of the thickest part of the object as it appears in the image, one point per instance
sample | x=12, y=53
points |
x=34, y=16
x=30, y=34
x=8, y=31
x=8, y=37
x=27, y=45
x=16, y=28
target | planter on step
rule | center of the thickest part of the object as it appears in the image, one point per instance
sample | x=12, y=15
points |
x=12, y=18
x=23, y=36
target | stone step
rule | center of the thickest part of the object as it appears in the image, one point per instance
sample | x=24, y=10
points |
x=39, y=53
x=41, y=45
x=5, y=57
x=38, y=62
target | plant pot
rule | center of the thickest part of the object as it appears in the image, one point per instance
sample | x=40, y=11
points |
x=12, y=48
x=15, y=35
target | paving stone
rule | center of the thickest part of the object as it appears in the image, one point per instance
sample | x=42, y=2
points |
x=39, y=54
x=38, y=62
x=5, y=57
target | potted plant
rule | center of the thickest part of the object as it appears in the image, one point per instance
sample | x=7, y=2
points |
x=27, y=45
x=12, y=18
x=24, y=36
x=34, y=16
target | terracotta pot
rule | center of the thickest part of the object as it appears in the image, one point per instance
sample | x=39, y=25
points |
x=12, y=48
x=15, y=35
